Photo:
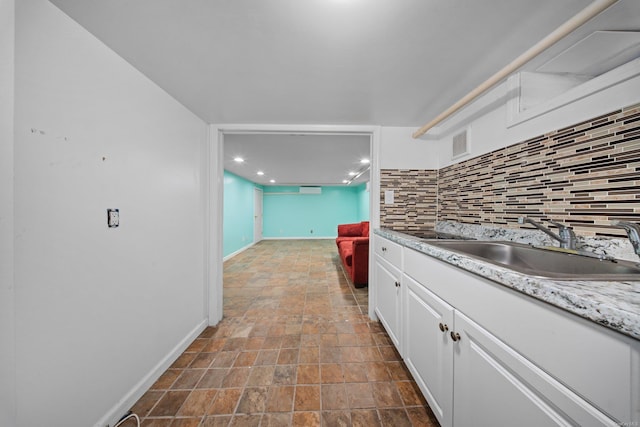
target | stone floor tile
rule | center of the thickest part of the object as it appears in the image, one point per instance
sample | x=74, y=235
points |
x=295, y=348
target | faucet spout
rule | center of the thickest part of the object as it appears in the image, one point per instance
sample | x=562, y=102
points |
x=566, y=236
x=633, y=232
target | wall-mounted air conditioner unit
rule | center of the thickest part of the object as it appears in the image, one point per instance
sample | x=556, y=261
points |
x=310, y=190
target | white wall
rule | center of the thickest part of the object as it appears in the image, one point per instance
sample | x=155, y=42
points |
x=398, y=150
x=99, y=312
x=487, y=118
x=7, y=314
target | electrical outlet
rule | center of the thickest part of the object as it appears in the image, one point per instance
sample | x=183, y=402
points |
x=113, y=218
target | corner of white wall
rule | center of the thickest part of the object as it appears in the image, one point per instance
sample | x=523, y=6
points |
x=111, y=307
x=398, y=150
x=215, y=165
x=7, y=293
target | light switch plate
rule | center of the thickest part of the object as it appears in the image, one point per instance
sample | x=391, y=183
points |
x=388, y=197
x=113, y=218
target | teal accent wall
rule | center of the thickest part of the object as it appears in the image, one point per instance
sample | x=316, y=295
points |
x=295, y=215
x=237, y=213
x=363, y=202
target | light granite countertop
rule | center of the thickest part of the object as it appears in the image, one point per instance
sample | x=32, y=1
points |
x=615, y=305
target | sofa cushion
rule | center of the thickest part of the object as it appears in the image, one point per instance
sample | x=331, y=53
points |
x=346, y=252
x=350, y=230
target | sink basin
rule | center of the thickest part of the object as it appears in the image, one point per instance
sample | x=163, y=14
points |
x=541, y=262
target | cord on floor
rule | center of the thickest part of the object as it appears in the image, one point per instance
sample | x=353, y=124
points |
x=128, y=417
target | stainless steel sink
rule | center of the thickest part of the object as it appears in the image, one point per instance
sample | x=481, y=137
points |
x=539, y=262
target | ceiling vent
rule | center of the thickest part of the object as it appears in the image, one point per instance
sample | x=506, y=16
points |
x=460, y=145
x=310, y=190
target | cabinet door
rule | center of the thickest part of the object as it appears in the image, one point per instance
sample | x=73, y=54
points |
x=387, y=295
x=429, y=348
x=496, y=386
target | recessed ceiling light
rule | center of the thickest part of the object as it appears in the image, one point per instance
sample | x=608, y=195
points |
x=272, y=181
x=238, y=159
x=260, y=173
x=345, y=181
x=353, y=173
x=364, y=161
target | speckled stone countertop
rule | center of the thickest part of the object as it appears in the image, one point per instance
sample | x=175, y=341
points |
x=615, y=305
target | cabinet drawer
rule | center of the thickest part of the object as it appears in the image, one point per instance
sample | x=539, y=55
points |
x=389, y=251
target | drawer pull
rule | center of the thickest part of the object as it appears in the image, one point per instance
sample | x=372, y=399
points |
x=455, y=336
x=443, y=328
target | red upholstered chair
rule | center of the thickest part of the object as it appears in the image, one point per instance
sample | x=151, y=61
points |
x=353, y=248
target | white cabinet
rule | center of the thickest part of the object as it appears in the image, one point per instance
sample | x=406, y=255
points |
x=483, y=354
x=495, y=385
x=428, y=349
x=388, y=264
x=388, y=295
x=470, y=377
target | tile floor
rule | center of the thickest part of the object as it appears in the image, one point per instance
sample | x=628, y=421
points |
x=295, y=348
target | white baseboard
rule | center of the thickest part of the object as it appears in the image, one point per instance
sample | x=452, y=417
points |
x=124, y=404
x=232, y=254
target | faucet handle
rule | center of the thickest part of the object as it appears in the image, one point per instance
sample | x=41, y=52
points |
x=563, y=228
x=566, y=232
x=633, y=232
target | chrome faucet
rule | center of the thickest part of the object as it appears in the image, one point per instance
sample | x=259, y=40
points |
x=566, y=236
x=633, y=231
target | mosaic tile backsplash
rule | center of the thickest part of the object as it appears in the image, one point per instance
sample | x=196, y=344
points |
x=415, y=199
x=585, y=175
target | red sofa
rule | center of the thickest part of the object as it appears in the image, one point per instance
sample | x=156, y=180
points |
x=353, y=247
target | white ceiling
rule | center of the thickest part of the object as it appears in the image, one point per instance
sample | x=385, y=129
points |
x=365, y=62
x=298, y=159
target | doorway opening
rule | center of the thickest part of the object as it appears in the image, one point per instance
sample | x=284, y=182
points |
x=214, y=191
